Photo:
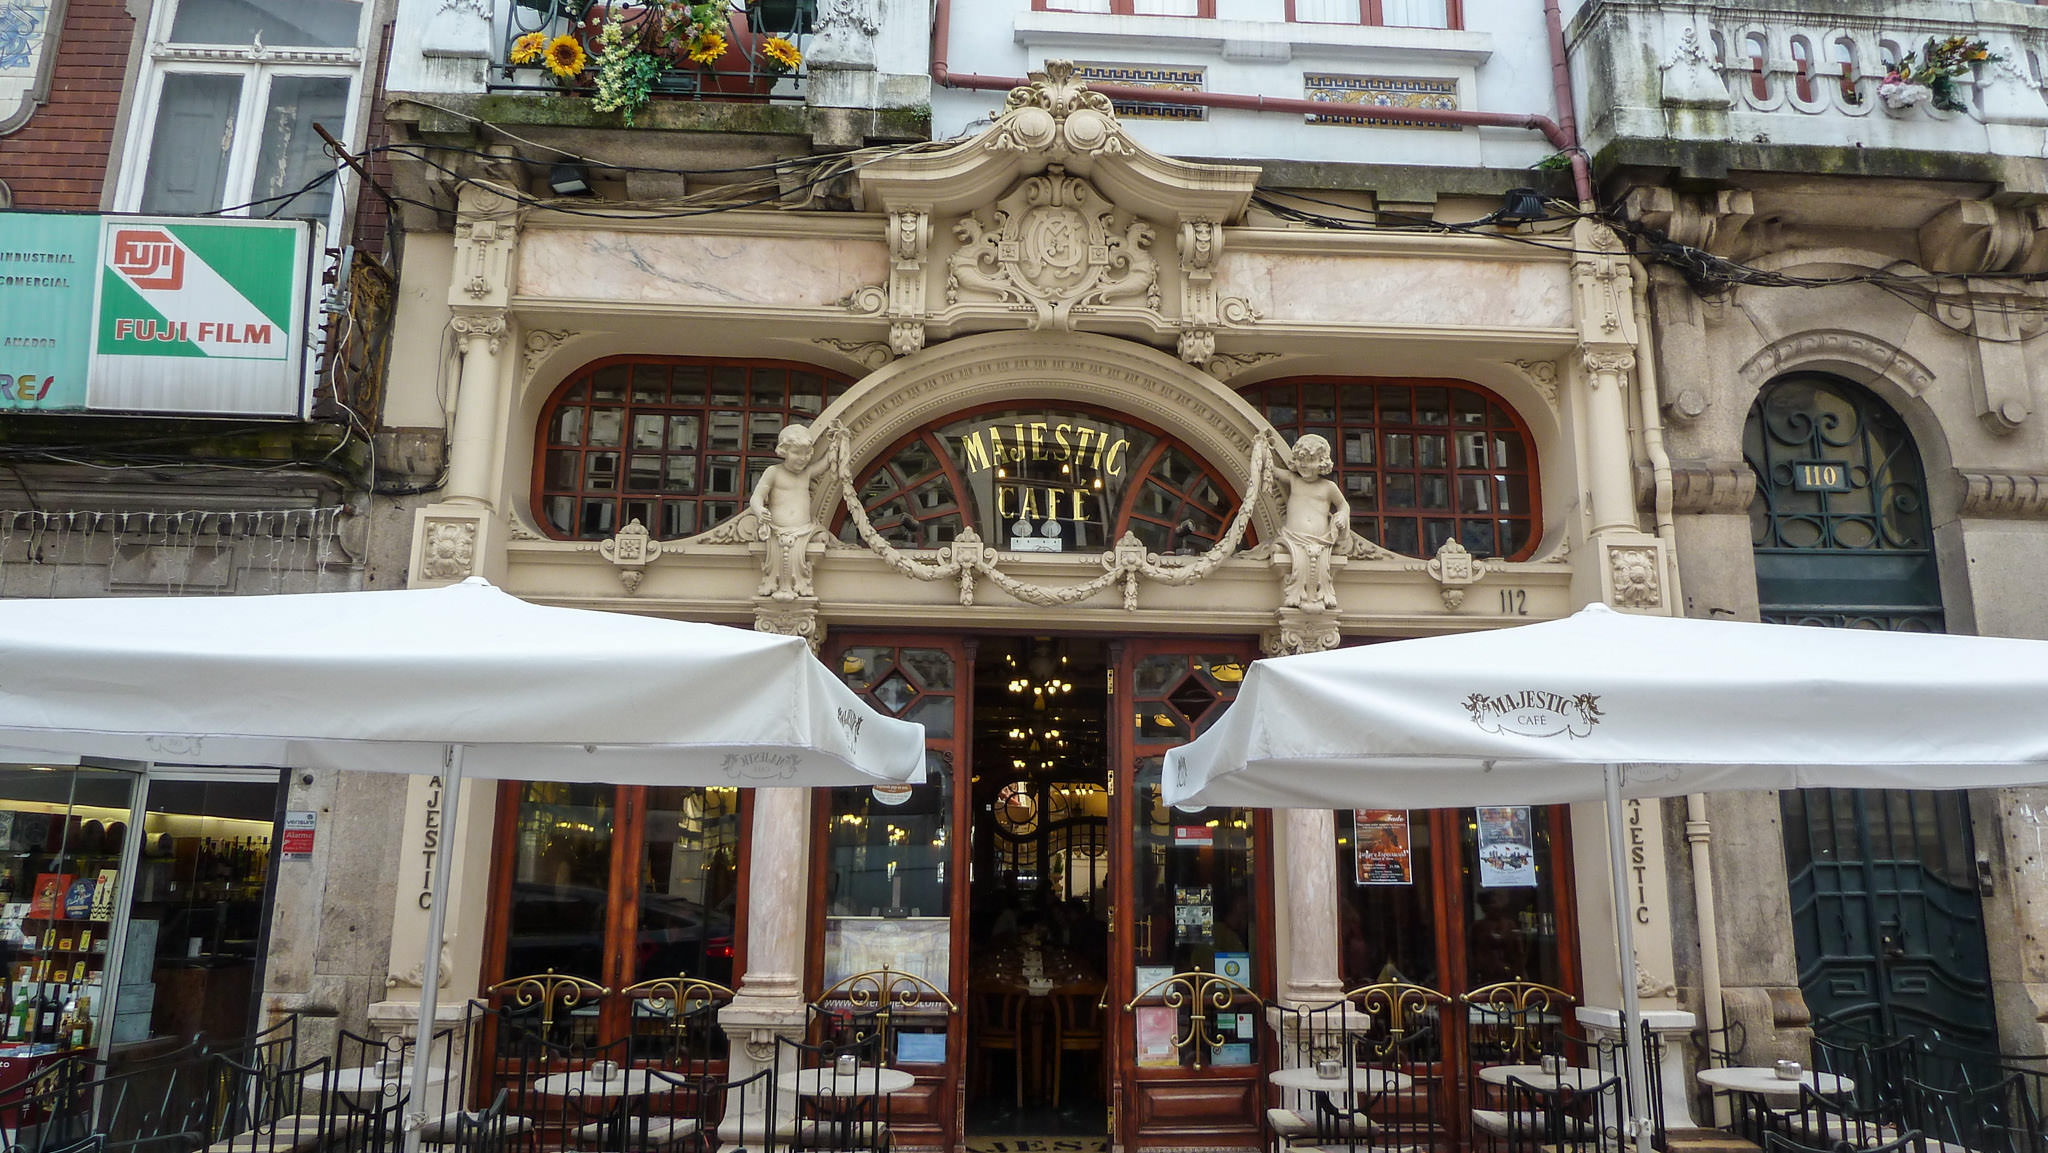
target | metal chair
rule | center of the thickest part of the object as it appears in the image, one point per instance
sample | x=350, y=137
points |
x=1564, y=1116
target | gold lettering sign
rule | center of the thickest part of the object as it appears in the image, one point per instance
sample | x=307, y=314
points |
x=1045, y=471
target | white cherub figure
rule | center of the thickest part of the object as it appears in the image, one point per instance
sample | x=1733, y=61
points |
x=785, y=514
x=1316, y=519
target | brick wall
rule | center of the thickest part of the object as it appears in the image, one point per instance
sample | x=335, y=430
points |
x=58, y=160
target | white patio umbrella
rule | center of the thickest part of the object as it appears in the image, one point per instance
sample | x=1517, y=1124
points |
x=1606, y=705
x=463, y=681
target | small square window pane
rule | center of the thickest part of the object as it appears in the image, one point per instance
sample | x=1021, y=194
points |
x=1429, y=451
x=1471, y=449
x=647, y=428
x=1435, y=533
x=606, y=425
x=1434, y=491
x=600, y=472
x=599, y=519
x=682, y=432
x=1508, y=452
x=1514, y=493
x=728, y=386
x=1512, y=538
x=650, y=384
x=642, y=511
x=569, y=426
x=643, y=473
x=562, y=470
x=1400, y=491
x=1400, y=450
x=678, y=519
x=716, y=512
x=764, y=427
x=1474, y=494
x=681, y=475
x=561, y=512
x=1393, y=404
x=1402, y=536
x=771, y=388
x=725, y=431
x=1358, y=448
x=722, y=476
x=806, y=394
x=609, y=384
x=1360, y=490
x=1467, y=407
x=1477, y=537
x=1281, y=415
x=687, y=385
x=1432, y=406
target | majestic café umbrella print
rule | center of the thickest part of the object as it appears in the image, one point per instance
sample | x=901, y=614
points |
x=1604, y=705
x=463, y=681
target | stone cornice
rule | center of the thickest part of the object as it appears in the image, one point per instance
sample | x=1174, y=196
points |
x=1703, y=486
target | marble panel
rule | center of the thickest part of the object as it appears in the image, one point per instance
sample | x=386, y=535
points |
x=788, y=272
x=1406, y=292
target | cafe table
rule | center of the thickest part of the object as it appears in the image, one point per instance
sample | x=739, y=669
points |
x=1764, y=1081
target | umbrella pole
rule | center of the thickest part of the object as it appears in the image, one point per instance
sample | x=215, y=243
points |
x=1638, y=1079
x=417, y=1116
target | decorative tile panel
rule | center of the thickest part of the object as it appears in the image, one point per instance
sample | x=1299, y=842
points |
x=1380, y=92
x=1166, y=78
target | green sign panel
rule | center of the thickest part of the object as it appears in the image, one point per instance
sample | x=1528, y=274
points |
x=48, y=267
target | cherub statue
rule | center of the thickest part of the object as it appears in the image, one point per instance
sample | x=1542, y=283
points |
x=1316, y=519
x=784, y=514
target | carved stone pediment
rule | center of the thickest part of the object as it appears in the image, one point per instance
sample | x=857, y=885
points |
x=1053, y=216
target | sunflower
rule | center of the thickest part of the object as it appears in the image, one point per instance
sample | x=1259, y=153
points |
x=781, y=53
x=528, y=48
x=565, y=56
x=706, y=47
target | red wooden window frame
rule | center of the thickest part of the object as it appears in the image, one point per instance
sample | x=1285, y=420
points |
x=1262, y=396
x=1372, y=13
x=750, y=455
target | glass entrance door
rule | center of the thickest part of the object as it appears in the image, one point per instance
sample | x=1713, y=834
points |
x=1193, y=932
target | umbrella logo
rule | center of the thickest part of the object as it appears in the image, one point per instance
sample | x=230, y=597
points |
x=762, y=766
x=1535, y=713
x=850, y=720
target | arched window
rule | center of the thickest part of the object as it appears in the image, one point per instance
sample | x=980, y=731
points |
x=1421, y=461
x=1044, y=480
x=675, y=443
x=1839, y=522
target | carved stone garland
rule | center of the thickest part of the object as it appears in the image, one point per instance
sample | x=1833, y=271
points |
x=968, y=560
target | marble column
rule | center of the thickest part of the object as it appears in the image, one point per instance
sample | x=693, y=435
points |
x=473, y=443
x=770, y=1002
x=1312, y=947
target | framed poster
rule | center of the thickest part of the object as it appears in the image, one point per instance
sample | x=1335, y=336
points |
x=921, y=946
x=1507, y=848
x=1156, y=1025
x=1380, y=844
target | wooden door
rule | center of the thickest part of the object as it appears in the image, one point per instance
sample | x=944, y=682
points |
x=1191, y=898
x=889, y=867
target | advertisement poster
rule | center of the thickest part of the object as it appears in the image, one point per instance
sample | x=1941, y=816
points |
x=48, y=263
x=200, y=316
x=1156, y=1025
x=1507, y=848
x=1379, y=838
x=921, y=946
x=1194, y=917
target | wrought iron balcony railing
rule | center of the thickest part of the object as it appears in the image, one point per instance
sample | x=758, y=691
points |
x=750, y=61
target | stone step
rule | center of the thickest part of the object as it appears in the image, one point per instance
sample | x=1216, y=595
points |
x=1706, y=1141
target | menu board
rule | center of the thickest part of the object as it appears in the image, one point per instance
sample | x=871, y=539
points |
x=1380, y=845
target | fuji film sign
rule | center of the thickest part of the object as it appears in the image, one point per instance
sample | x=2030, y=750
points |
x=151, y=314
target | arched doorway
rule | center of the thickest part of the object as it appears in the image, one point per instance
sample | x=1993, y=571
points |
x=1886, y=914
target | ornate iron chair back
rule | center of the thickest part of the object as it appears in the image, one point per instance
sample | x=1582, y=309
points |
x=862, y=1009
x=1514, y=1022
x=541, y=1003
x=686, y=1038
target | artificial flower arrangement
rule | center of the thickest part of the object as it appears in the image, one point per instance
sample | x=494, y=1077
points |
x=1931, y=78
x=633, y=46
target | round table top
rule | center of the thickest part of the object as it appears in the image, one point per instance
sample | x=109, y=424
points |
x=1570, y=1077
x=1360, y=1079
x=584, y=1083
x=869, y=1081
x=1764, y=1081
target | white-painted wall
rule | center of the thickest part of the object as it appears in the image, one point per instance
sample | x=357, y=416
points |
x=1499, y=62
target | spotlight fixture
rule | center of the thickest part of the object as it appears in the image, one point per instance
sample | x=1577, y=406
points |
x=569, y=180
x=1520, y=206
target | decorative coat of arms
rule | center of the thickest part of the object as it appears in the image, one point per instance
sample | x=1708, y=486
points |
x=1053, y=245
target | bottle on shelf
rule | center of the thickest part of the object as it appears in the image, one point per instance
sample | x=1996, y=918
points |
x=46, y=1009
x=17, y=1012
x=81, y=1023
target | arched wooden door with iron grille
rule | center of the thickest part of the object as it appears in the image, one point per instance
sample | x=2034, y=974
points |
x=1192, y=953
x=1886, y=913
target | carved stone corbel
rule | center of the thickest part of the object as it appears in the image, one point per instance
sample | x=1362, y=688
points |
x=1712, y=222
x=1703, y=486
x=1199, y=242
x=486, y=235
x=786, y=618
x=2001, y=321
x=1978, y=236
x=1603, y=285
x=1224, y=365
x=871, y=354
x=1455, y=569
x=1541, y=375
x=1301, y=631
x=540, y=344
x=631, y=549
x=910, y=238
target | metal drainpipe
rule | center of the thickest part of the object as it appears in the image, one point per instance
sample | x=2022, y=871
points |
x=1699, y=833
x=1560, y=137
